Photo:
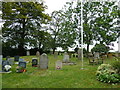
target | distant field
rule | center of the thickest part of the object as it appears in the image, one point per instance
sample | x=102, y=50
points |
x=69, y=77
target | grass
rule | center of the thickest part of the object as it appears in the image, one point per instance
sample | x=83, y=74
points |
x=69, y=77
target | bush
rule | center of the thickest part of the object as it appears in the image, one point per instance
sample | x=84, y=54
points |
x=106, y=73
x=116, y=66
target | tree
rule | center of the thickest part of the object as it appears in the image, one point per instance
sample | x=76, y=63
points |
x=101, y=48
x=62, y=28
x=98, y=22
x=21, y=20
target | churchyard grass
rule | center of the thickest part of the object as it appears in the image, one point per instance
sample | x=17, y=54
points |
x=71, y=76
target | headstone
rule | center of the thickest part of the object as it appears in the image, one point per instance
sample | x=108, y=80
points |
x=21, y=60
x=28, y=53
x=96, y=55
x=11, y=61
x=7, y=57
x=34, y=62
x=16, y=58
x=55, y=54
x=4, y=63
x=37, y=53
x=66, y=57
x=43, y=64
x=22, y=64
x=58, y=65
x=79, y=54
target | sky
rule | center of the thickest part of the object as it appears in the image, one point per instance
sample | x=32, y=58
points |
x=57, y=5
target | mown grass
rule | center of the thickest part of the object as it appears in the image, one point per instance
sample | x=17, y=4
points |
x=69, y=77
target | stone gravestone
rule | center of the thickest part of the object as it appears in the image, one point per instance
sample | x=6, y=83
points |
x=16, y=58
x=22, y=64
x=7, y=57
x=55, y=54
x=96, y=55
x=21, y=60
x=34, y=62
x=38, y=55
x=4, y=62
x=43, y=63
x=11, y=61
x=66, y=57
x=79, y=54
x=58, y=65
x=28, y=53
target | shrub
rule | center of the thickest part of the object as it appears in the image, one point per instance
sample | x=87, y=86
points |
x=106, y=73
x=116, y=66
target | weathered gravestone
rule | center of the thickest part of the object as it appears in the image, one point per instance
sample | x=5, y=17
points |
x=55, y=54
x=27, y=52
x=43, y=63
x=16, y=58
x=34, y=62
x=7, y=57
x=79, y=54
x=58, y=65
x=38, y=54
x=10, y=61
x=4, y=63
x=66, y=57
x=21, y=60
x=96, y=55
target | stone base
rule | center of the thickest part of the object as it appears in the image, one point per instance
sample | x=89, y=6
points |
x=5, y=72
x=68, y=63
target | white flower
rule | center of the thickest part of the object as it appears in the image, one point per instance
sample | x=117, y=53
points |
x=7, y=67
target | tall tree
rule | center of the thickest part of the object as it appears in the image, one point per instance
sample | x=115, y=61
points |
x=21, y=19
x=98, y=21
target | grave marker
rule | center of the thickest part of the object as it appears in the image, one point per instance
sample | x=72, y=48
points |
x=34, y=62
x=66, y=57
x=16, y=58
x=43, y=63
x=58, y=65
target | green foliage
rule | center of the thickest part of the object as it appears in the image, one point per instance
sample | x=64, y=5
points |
x=22, y=21
x=106, y=73
x=116, y=66
x=100, y=48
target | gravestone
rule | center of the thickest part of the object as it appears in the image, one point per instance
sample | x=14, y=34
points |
x=4, y=63
x=38, y=54
x=79, y=54
x=28, y=53
x=66, y=57
x=22, y=64
x=21, y=60
x=16, y=58
x=11, y=61
x=43, y=63
x=34, y=62
x=55, y=54
x=96, y=55
x=7, y=57
x=58, y=65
